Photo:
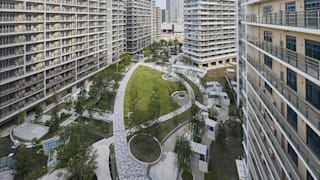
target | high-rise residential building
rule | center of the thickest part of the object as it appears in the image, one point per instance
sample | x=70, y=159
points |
x=280, y=88
x=158, y=23
x=119, y=33
x=163, y=14
x=153, y=21
x=139, y=25
x=210, y=32
x=47, y=47
x=175, y=10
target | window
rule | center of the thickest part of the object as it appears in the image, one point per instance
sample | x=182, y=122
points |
x=291, y=43
x=268, y=61
x=292, y=117
x=291, y=7
x=312, y=5
x=267, y=36
x=293, y=155
x=268, y=88
x=292, y=79
x=313, y=49
x=267, y=9
x=313, y=94
x=313, y=141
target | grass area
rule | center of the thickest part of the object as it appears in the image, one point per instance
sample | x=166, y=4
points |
x=102, y=129
x=197, y=93
x=143, y=81
x=114, y=171
x=222, y=164
x=161, y=130
x=145, y=148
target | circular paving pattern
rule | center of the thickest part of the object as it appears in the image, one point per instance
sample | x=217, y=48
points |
x=145, y=148
x=180, y=97
x=169, y=77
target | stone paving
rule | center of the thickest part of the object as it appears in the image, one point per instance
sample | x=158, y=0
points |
x=127, y=167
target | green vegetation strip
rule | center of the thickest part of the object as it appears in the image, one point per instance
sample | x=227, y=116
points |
x=143, y=82
x=113, y=162
x=196, y=90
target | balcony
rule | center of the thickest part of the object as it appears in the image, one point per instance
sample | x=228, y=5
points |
x=305, y=64
x=302, y=149
x=296, y=100
x=279, y=151
x=300, y=19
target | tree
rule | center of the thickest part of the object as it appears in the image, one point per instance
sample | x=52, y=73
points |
x=221, y=136
x=126, y=58
x=23, y=162
x=163, y=42
x=21, y=117
x=154, y=106
x=75, y=152
x=184, y=153
x=196, y=125
x=38, y=113
x=147, y=52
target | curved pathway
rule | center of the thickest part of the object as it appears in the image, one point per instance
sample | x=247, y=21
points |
x=127, y=167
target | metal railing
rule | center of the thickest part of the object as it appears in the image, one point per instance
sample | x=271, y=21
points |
x=296, y=100
x=301, y=19
x=282, y=156
x=303, y=150
x=304, y=63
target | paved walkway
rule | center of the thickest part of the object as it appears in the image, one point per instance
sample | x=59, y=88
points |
x=102, y=147
x=127, y=167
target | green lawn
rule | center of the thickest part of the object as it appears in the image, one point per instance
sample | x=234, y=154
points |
x=222, y=164
x=143, y=81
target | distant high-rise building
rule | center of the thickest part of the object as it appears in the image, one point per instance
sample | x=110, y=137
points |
x=175, y=10
x=139, y=25
x=163, y=14
x=210, y=32
x=158, y=23
x=280, y=88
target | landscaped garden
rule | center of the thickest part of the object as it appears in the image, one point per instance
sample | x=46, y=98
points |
x=148, y=96
x=145, y=148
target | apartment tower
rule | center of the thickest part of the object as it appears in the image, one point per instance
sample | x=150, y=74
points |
x=119, y=33
x=158, y=23
x=280, y=88
x=210, y=32
x=139, y=25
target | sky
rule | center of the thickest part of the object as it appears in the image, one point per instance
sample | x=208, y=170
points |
x=161, y=3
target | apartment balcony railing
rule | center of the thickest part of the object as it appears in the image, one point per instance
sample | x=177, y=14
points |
x=310, y=159
x=282, y=156
x=304, y=63
x=296, y=100
x=301, y=19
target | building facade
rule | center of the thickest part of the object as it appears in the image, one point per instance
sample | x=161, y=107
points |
x=175, y=10
x=119, y=31
x=210, y=32
x=280, y=88
x=158, y=23
x=139, y=25
x=51, y=46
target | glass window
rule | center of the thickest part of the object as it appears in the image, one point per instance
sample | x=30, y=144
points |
x=313, y=49
x=312, y=4
x=267, y=36
x=268, y=88
x=268, y=61
x=313, y=94
x=292, y=79
x=290, y=7
x=292, y=117
x=267, y=9
x=313, y=141
x=291, y=43
x=293, y=155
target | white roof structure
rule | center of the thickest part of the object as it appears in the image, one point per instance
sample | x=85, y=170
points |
x=198, y=148
x=210, y=122
x=29, y=131
x=221, y=94
x=230, y=70
x=199, y=71
x=241, y=170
